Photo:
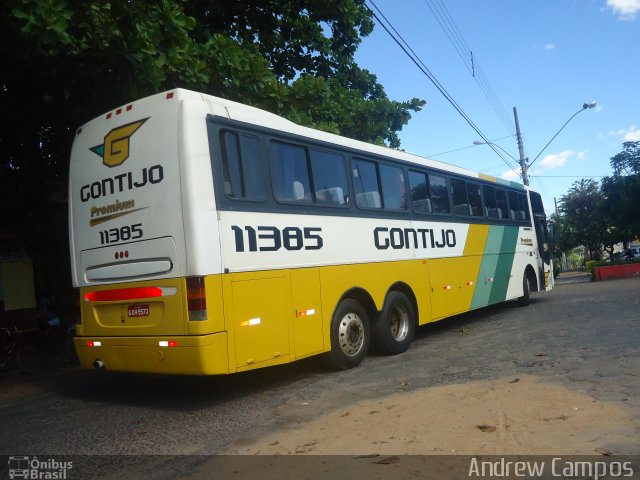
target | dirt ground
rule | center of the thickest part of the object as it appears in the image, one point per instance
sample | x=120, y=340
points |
x=521, y=415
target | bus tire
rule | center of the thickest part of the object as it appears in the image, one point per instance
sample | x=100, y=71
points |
x=525, y=299
x=394, y=328
x=350, y=335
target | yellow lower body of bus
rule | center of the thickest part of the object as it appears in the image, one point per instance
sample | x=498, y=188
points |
x=184, y=355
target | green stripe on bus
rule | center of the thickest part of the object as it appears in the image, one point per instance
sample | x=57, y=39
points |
x=504, y=266
x=487, y=267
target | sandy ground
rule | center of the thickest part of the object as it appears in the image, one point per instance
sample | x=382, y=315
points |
x=506, y=416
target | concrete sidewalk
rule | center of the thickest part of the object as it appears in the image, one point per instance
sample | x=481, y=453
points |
x=573, y=277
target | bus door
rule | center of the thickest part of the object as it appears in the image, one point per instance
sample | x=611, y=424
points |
x=544, y=248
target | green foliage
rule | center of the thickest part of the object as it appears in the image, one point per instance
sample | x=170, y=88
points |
x=557, y=269
x=68, y=61
x=65, y=62
x=622, y=191
x=590, y=265
x=583, y=221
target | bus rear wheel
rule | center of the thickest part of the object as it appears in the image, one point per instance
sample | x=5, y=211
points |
x=350, y=335
x=394, y=328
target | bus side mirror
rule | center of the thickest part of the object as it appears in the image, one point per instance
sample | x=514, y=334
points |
x=552, y=231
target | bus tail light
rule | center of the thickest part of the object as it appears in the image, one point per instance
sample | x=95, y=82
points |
x=196, y=298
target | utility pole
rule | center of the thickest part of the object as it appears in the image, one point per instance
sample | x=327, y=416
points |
x=523, y=161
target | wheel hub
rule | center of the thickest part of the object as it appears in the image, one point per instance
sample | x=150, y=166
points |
x=351, y=334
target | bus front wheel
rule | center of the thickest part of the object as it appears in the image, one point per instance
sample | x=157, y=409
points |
x=350, y=335
x=394, y=328
x=525, y=299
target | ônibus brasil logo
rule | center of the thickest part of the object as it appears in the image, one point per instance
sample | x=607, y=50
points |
x=115, y=149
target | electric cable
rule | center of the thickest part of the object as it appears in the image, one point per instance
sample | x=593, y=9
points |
x=406, y=48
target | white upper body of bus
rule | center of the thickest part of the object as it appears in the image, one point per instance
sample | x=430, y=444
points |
x=141, y=192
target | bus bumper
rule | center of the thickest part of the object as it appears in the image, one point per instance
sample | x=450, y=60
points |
x=188, y=355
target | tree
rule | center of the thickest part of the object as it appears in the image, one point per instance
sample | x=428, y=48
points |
x=622, y=191
x=583, y=218
x=65, y=62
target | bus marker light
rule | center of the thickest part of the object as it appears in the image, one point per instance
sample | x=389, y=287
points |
x=490, y=279
x=447, y=287
x=306, y=313
x=169, y=95
x=167, y=343
x=93, y=343
x=469, y=284
x=251, y=322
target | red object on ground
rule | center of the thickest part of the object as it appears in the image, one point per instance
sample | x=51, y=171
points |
x=617, y=271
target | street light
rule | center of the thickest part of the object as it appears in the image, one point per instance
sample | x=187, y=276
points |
x=481, y=142
x=523, y=161
x=585, y=106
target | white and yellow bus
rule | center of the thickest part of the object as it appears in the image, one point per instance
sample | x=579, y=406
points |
x=210, y=237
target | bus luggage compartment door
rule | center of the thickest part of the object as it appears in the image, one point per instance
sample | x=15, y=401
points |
x=260, y=317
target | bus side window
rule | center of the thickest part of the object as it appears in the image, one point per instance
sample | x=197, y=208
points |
x=394, y=189
x=501, y=204
x=420, y=194
x=365, y=184
x=490, y=202
x=289, y=173
x=475, y=199
x=439, y=194
x=524, y=208
x=242, y=167
x=459, y=195
x=513, y=206
x=329, y=178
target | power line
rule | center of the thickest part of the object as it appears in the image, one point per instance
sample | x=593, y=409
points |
x=569, y=176
x=451, y=30
x=401, y=42
x=464, y=148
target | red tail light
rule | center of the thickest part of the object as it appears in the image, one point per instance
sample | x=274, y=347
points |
x=123, y=294
x=196, y=298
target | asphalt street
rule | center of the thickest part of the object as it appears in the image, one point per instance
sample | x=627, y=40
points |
x=582, y=335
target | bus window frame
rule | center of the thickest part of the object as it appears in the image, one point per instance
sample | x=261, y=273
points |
x=349, y=209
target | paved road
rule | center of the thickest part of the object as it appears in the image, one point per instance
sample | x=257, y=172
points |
x=588, y=331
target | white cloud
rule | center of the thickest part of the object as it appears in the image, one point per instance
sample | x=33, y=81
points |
x=549, y=46
x=625, y=9
x=582, y=155
x=510, y=175
x=631, y=134
x=556, y=160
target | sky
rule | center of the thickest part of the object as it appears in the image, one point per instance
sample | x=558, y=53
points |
x=546, y=58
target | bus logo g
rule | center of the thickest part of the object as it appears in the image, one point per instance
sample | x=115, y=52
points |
x=115, y=149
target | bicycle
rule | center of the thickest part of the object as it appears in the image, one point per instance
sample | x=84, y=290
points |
x=14, y=347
